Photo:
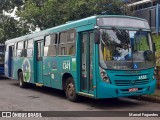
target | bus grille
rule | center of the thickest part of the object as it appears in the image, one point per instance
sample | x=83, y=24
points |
x=131, y=82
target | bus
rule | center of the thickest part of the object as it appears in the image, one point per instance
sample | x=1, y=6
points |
x=99, y=57
x=2, y=46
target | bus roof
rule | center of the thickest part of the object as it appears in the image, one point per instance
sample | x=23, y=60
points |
x=66, y=26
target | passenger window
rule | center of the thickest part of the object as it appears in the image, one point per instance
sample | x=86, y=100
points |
x=47, y=40
x=67, y=44
x=19, y=53
x=27, y=52
x=63, y=38
x=20, y=47
x=71, y=46
x=30, y=43
x=71, y=36
x=50, y=46
x=26, y=44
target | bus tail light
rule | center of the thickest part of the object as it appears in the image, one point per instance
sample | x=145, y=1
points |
x=104, y=75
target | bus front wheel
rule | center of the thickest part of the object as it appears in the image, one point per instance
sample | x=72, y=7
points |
x=70, y=90
x=22, y=84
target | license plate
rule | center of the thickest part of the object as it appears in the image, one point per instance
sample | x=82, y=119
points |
x=133, y=89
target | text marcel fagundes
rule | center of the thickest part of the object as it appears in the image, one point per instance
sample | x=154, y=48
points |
x=143, y=114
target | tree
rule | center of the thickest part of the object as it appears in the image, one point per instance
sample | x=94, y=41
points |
x=48, y=13
x=9, y=5
x=11, y=28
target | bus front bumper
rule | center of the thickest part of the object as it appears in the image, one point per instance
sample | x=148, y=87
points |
x=106, y=90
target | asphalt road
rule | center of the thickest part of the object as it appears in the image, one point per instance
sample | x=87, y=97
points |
x=14, y=98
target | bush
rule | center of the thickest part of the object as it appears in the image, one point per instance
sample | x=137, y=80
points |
x=156, y=39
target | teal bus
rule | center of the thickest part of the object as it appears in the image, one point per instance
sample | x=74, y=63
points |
x=100, y=56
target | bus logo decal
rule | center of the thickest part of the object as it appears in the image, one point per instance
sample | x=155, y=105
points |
x=66, y=65
x=26, y=68
x=135, y=66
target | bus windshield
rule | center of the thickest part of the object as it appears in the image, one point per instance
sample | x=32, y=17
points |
x=124, y=49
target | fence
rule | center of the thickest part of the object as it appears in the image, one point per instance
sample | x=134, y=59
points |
x=152, y=15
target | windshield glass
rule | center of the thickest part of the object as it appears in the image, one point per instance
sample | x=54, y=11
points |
x=123, y=49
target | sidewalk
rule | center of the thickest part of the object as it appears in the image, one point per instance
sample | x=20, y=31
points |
x=153, y=97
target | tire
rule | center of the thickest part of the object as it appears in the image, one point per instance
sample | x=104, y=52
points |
x=70, y=90
x=22, y=84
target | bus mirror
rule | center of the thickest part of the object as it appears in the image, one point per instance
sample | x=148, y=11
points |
x=154, y=46
x=97, y=37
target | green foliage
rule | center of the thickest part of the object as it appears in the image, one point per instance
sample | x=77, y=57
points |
x=156, y=39
x=11, y=28
x=48, y=13
x=9, y=5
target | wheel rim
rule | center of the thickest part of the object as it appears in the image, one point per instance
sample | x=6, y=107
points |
x=70, y=90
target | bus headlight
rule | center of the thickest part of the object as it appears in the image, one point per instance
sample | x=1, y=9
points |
x=104, y=75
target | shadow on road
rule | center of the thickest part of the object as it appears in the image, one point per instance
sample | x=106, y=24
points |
x=43, y=90
x=103, y=104
x=2, y=77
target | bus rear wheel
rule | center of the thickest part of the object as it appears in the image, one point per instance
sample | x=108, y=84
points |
x=22, y=84
x=71, y=91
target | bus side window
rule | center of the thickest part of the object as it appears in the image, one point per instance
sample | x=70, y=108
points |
x=25, y=48
x=71, y=43
x=46, y=44
x=29, y=49
x=50, y=45
x=20, y=47
x=67, y=44
x=62, y=44
x=15, y=50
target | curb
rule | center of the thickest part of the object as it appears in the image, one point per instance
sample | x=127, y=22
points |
x=151, y=98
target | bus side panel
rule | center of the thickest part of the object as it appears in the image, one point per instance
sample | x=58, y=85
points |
x=51, y=72
x=32, y=73
x=17, y=66
x=48, y=66
x=58, y=67
x=56, y=74
x=20, y=64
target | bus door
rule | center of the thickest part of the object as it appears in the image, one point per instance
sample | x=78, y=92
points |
x=10, y=61
x=39, y=63
x=86, y=81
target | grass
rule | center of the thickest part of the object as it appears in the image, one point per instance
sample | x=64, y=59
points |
x=156, y=39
